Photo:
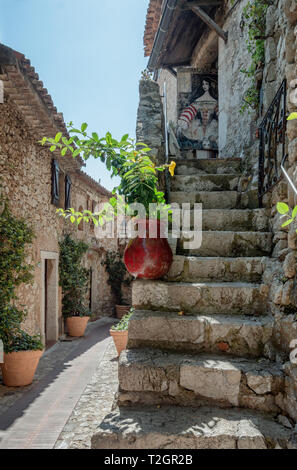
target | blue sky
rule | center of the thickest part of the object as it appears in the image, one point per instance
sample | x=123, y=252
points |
x=89, y=54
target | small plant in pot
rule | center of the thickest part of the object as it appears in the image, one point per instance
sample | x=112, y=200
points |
x=21, y=350
x=21, y=357
x=119, y=332
x=145, y=257
x=117, y=276
x=74, y=280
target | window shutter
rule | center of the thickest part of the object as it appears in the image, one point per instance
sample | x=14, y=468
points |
x=55, y=182
x=67, y=192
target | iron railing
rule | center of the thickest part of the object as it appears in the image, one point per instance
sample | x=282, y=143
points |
x=272, y=149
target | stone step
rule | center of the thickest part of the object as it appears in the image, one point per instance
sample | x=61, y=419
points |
x=229, y=244
x=204, y=298
x=189, y=428
x=207, y=182
x=208, y=199
x=194, y=269
x=235, y=219
x=155, y=377
x=214, y=166
x=237, y=335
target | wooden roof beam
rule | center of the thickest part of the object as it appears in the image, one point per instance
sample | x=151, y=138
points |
x=209, y=21
x=202, y=3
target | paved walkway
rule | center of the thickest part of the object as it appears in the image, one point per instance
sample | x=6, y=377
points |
x=35, y=416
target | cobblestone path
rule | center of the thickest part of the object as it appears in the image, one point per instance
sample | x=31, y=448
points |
x=72, y=383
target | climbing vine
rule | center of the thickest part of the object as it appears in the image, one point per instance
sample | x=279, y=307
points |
x=15, y=236
x=117, y=274
x=73, y=277
x=254, y=22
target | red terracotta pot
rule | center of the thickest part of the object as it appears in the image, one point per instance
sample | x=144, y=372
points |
x=148, y=258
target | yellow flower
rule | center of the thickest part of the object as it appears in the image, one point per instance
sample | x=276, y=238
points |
x=171, y=168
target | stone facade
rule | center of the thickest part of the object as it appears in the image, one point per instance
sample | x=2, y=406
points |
x=238, y=138
x=27, y=115
x=221, y=330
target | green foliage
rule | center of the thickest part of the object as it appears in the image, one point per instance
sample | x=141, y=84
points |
x=73, y=277
x=292, y=116
x=117, y=274
x=285, y=211
x=126, y=159
x=15, y=235
x=124, y=323
x=146, y=75
x=254, y=16
x=22, y=341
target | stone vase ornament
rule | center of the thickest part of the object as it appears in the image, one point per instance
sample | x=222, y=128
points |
x=76, y=326
x=19, y=367
x=120, y=339
x=148, y=257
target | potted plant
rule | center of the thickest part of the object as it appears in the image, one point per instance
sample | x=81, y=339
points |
x=21, y=357
x=144, y=257
x=74, y=280
x=117, y=276
x=21, y=350
x=119, y=332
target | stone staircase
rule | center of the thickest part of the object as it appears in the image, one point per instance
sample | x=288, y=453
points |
x=196, y=373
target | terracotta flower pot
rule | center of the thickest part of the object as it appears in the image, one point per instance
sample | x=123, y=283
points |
x=148, y=258
x=120, y=339
x=122, y=310
x=76, y=326
x=19, y=367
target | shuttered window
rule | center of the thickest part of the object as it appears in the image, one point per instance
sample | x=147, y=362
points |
x=67, y=192
x=55, y=182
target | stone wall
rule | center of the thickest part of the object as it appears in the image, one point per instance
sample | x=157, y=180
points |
x=236, y=131
x=281, y=272
x=150, y=122
x=25, y=169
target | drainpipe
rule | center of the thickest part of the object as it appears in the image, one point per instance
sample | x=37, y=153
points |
x=163, y=29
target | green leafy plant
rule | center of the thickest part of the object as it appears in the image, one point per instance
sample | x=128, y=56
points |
x=117, y=274
x=126, y=159
x=254, y=20
x=124, y=323
x=285, y=211
x=15, y=236
x=292, y=117
x=22, y=341
x=73, y=277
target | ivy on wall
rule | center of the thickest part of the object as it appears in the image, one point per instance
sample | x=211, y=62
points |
x=117, y=274
x=73, y=277
x=254, y=22
x=15, y=236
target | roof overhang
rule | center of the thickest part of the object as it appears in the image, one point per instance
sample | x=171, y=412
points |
x=178, y=33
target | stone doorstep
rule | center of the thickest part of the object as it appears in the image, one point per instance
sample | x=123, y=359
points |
x=191, y=269
x=213, y=166
x=204, y=298
x=228, y=244
x=189, y=428
x=205, y=182
x=183, y=378
x=209, y=199
x=237, y=335
x=246, y=220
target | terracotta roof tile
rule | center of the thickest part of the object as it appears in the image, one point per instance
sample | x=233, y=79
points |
x=152, y=22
